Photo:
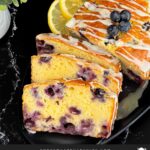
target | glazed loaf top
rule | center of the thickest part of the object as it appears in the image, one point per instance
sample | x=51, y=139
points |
x=132, y=48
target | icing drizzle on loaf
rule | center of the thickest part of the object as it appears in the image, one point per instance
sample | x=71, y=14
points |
x=94, y=18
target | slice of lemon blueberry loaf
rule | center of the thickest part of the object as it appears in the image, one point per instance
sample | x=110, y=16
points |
x=64, y=66
x=50, y=43
x=121, y=27
x=70, y=107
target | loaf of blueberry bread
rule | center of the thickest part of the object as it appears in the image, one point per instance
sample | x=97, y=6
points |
x=64, y=66
x=121, y=27
x=49, y=43
x=69, y=107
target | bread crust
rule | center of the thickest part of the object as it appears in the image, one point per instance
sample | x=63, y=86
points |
x=114, y=79
x=72, y=83
x=80, y=49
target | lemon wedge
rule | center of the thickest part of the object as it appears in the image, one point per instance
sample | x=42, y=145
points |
x=56, y=20
x=69, y=7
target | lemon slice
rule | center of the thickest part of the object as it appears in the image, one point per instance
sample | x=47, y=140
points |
x=69, y=7
x=56, y=21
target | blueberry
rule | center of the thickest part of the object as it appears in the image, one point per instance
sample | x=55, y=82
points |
x=44, y=48
x=49, y=119
x=99, y=93
x=106, y=73
x=63, y=120
x=50, y=91
x=49, y=47
x=106, y=81
x=115, y=16
x=105, y=130
x=74, y=111
x=34, y=92
x=124, y=26
x=40, y=42
x=86, y=126
x=86, y=74
x=55, y=90
x=40, y=104
x=112, y=30
x=69, y=126
x=29, y=123
x=125, y=15
x=86, y=123
x=104, y=127
x=45, y=59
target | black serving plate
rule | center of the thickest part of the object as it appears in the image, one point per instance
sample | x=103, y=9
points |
x=31, y=20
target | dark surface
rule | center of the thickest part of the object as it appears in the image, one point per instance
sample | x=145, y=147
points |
x=13, y=64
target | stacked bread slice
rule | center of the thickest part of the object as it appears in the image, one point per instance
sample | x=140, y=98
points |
x=69, y=107
x=64, y=66
x=74, y=90
x=49, y=43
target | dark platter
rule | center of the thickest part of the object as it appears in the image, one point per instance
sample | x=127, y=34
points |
x=31, y=20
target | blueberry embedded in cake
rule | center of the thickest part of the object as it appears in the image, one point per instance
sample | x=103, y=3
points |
x=98, y=94
x=60, y=44
x=44, y=59
x=64, y=66
x=44, y=48
x=74, y=114
x=55, y=91
x=86, y=74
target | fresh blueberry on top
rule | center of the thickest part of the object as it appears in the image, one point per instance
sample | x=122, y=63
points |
x=125, y=15
x=112, y=30
x=124, y=26
x=115, y=16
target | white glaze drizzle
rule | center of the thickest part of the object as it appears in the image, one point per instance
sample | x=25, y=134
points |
x=89, y=46
x=142, y=7
x=144, y=65
x=91, y=34
x=81, y=23
x=132, y=9
x=139, y=46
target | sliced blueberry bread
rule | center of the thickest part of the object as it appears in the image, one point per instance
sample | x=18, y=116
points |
x=121, y=27
x=49, y=43
x=69, y=107
x=64, y=66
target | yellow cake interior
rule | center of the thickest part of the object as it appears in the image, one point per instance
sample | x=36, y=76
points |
x=75, y=94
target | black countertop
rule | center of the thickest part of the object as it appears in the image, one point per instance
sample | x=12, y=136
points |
x=12, y=64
